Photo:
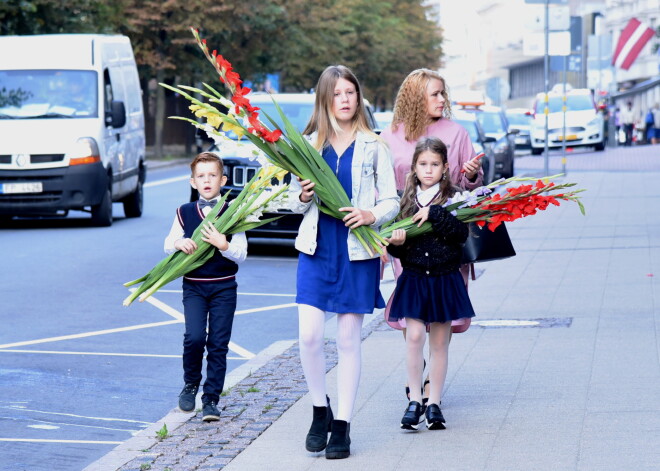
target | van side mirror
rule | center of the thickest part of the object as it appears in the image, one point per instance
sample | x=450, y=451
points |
x=489, y=140
x=116, y=117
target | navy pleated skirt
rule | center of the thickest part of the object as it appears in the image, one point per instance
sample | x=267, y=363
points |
x=442, y=298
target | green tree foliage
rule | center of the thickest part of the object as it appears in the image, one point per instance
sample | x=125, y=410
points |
x=57, y=16
x=381, y=40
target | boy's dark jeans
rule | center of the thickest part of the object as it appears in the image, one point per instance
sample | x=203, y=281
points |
x=215, y=303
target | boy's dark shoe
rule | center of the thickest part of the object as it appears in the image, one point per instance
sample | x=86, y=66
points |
x=434, y=418
x=411, y=417
x=187, y=397
x=210, y=412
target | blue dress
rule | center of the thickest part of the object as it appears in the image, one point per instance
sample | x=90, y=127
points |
x=328, y=280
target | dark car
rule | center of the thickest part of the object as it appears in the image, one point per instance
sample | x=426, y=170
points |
x=521, y=119
x=241, y=166
x=480, y=142
x=494, y=122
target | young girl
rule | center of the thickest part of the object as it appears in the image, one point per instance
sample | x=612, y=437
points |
x=430, y=290
x=335, y=273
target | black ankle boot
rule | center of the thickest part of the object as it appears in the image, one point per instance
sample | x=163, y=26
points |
x=317, y=437
x=339, y=445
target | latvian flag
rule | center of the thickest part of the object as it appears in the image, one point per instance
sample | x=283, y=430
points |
x=633, y=38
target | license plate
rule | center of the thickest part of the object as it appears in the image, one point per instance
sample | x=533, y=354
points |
x=570, y=137
x=34, y=187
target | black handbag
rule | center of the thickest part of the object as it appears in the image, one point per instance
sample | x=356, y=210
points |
x=483, y=245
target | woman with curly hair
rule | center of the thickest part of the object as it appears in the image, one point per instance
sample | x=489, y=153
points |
x=422, y=109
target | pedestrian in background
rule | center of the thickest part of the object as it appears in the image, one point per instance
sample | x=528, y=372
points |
x=423, y=109
x=655, y=139
x=430, y=293
x=335, y=272
x=209, y=291
x=628, y=121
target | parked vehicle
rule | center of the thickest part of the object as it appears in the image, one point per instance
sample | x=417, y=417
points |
x=72, y=126
x=480, y=142
x=240, y=166
x=521, y=119
x=584, y=123
x=383, y=120
x=495, y=125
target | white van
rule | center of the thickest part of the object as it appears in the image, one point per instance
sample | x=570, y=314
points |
x=71, y=126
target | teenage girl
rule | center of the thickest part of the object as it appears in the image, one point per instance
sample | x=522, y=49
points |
x=335, y=273
x=430, y=290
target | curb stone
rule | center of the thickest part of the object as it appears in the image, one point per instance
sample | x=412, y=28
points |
x=250, y=407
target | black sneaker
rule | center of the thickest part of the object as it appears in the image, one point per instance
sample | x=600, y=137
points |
x=411, y=418
x=210, y=412
x=434, y=418
x=187, y=397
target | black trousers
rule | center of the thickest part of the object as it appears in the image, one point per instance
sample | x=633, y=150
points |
x=211, y=304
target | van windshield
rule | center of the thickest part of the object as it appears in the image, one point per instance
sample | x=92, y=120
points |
x=573, y=103
x=31, y=94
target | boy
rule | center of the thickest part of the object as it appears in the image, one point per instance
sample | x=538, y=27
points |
x=209, y=292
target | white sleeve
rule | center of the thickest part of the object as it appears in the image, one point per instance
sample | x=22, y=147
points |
x=176, y=233
x=237, y=250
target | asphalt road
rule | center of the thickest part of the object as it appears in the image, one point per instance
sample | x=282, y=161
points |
x=80, y=373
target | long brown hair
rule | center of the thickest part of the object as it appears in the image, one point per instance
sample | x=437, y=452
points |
x=408, y=203
x=323, y=120
x=410, y=106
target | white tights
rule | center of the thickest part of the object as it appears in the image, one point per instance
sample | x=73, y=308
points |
x=438, y=352
x=311, y=322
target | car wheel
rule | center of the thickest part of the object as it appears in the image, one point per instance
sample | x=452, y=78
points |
x=102, y=212
x=133, y=203
x=536, y=151
x=600, y=146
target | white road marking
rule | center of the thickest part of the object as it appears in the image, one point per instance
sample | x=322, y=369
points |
x=43, y=440
x=106, y=419
x=265, y=308
x=58, y=352
x=166, y=181
x=44, y=427
x=88, y=334
x=165, y=308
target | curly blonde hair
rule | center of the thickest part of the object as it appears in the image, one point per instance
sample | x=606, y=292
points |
x=410, y=107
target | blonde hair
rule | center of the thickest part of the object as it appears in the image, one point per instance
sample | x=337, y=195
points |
x=323, y=119
x=410, y=106
x=408, y=199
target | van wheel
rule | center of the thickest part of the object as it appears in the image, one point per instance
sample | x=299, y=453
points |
x=536, y=151
x=133, y=203
x=600, y=146
x=102, y=212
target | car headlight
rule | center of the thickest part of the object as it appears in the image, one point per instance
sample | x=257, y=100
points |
x=84, y=151
x=594, y=122
x=502, y=148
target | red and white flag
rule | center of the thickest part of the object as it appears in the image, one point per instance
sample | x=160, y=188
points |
x=633, y=38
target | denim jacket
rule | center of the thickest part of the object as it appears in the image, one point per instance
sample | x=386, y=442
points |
x=374, y=189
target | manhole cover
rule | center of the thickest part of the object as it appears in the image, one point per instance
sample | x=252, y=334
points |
x=510, y=323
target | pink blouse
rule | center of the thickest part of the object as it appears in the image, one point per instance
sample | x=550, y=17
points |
x=459, y=151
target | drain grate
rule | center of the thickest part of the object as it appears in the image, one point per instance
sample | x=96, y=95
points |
x=543, y=323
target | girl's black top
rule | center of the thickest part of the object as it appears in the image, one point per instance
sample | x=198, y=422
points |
x=435, y=253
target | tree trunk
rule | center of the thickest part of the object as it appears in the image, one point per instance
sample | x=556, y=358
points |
x=159, y=118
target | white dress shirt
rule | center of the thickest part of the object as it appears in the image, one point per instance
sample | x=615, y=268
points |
x=236, y=252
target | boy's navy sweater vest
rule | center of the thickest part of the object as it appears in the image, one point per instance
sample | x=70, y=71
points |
x=217, y=268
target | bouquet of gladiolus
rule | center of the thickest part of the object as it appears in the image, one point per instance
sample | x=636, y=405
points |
x=243, y=214
x=490, y=210
x=286, y=148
